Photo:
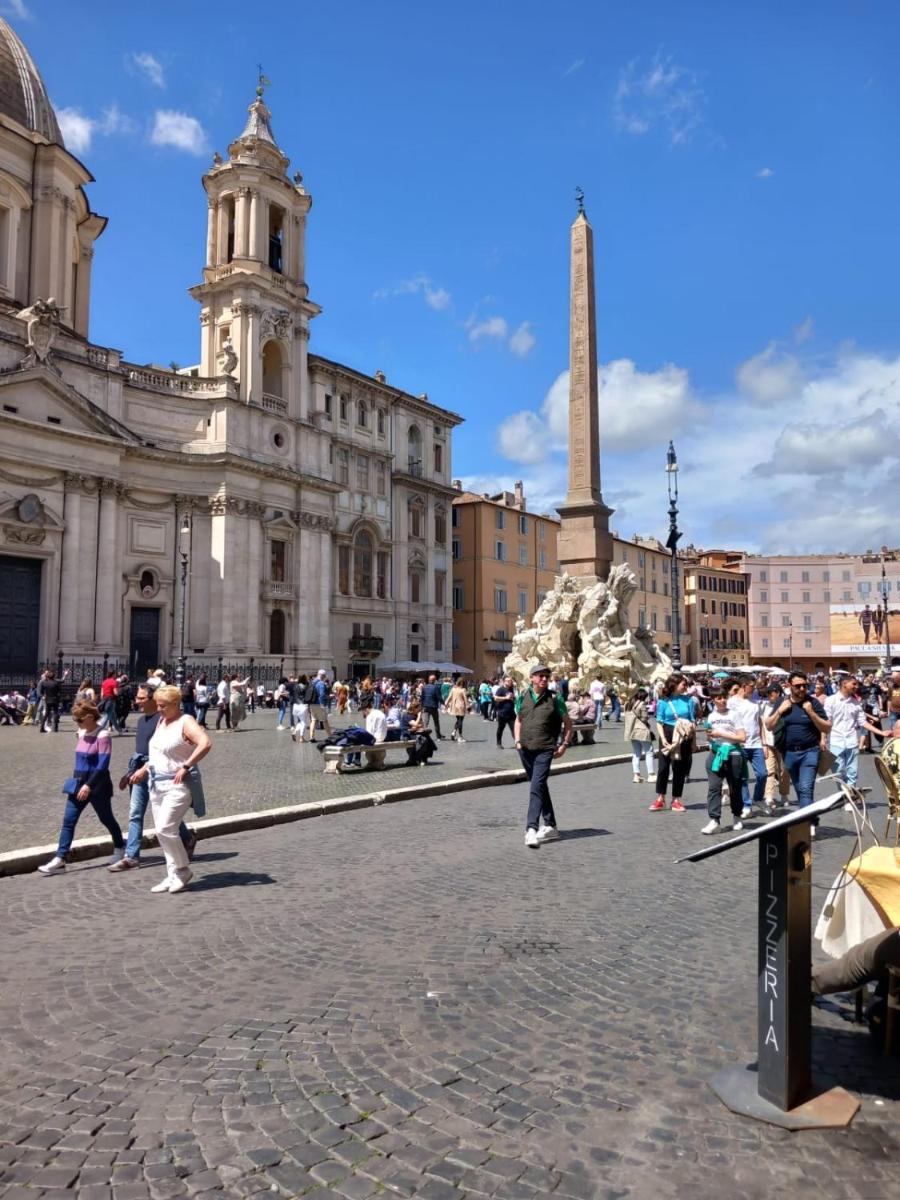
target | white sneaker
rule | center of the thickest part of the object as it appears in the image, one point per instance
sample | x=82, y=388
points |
x=532, y=839
x=55, y=864
x=162, y=886
x=737, y=826
x=461, y=740
x=180, y=882
x=548, y=833
x=637, y=779
x=279, y=729
x=711, y=827
x=747, y=814
x=117, y=855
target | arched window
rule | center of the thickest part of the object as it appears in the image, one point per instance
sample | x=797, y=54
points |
x=276, y=632
x=362, y=414
x=362, y=564
x=273, y=370
x=414, y=450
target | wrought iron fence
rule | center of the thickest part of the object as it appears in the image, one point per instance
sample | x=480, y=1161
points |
x=96, y=668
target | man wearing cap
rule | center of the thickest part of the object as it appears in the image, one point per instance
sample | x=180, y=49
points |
x=541, y=718
x=318, y=708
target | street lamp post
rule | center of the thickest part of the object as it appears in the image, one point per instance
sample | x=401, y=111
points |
x=672, y=544
x=884, y=605
x=183, y=537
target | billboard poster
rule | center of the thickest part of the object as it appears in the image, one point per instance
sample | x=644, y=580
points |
x=860, y=629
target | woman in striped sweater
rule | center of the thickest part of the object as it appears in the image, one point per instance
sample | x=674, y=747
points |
x=92, y=785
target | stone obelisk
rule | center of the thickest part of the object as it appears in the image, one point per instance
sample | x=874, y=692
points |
x=584, y=543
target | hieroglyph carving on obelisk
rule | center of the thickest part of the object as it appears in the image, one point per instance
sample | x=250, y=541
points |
x=585, y=545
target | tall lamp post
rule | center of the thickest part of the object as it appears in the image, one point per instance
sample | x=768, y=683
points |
x=884, y=604
x=672, y=543
x=184, y=535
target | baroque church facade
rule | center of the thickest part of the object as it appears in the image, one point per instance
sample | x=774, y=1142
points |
x=267, y=504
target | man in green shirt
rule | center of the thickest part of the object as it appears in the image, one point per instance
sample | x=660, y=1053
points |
x=541, y=719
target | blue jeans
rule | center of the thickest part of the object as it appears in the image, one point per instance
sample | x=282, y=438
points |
x=537, y=769
x=847, y=765
x=101, y=802
x=599, y=717
x=282, y=709
x=140, y=798
x=757, y=759
x=615, y=708
x=801, y=765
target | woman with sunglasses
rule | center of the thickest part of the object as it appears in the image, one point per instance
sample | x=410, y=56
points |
x=178, y=743
x=674, y=706
x=90, y=783
x=804, y=722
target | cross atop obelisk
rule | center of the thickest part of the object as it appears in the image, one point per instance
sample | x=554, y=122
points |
x=585, y=544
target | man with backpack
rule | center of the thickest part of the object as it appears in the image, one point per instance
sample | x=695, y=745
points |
x=319, y=700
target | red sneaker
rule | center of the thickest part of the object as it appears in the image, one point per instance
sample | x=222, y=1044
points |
x=658, y=804
x=677, y=806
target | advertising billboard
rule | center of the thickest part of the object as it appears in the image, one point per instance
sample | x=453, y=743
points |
x=861, y=629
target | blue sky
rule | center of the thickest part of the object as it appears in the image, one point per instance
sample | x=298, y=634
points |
x=740, y=168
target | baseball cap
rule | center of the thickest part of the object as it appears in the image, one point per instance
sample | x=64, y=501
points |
x=537, y=669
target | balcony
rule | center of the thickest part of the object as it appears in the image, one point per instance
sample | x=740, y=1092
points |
x=276, y=589
x=274, y=404
x=364, y=643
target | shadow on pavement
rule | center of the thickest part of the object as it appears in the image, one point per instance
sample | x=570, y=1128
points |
x=569, y=835
x=210, y=883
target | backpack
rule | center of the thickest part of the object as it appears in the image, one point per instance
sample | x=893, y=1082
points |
x=309, y=694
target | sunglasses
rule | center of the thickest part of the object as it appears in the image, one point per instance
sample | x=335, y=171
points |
x=799, y=685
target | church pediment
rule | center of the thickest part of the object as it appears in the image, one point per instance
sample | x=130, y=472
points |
x=38, y=394
x=26, y=520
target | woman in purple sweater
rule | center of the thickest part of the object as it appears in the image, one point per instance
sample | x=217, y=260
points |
x=92, y=784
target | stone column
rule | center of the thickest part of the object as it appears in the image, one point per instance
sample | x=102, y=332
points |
x=68, y=601
x=201, y=561
x=324, y=598
x=585, y=544
x=89, y=581
x=222, y=236
x=255, y=574
x=256, y=206
x=108, y=569
x=212, y=218
x=241, y=215
x=81, y=315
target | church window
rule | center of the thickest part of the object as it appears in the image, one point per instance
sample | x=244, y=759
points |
x=228, y=201
x=380, y=479
x=362, y=472
x=380, y=422
x=415, y=520
x=415, y=587
x=414, y=450
x=345, y=406
x=438, y=458
x=362, y=564
x=362, y=414
x=440, y=588
x=328, y=406
x=276, y=237
x=276, y=632
x=440, y=527
x=343, y=466
x=381, y=574
x=277, y=560
x=344, y=570
x=273, y=370
x=439, y=636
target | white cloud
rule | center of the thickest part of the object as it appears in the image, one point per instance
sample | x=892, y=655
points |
x=575, y=66
x=171, y=128
x=522, y=340
x=663, y=95
x=16, y=9
x=770, y=377
x=495, y=328
x=812, y=473
x=150, y=67
x=437, y=298
x=76, y=128
x=804, y=331
x=765, y=173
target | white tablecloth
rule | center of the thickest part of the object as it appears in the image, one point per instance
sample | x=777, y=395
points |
x=854, y=918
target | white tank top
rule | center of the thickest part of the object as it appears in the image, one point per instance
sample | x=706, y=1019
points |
x=168, y=749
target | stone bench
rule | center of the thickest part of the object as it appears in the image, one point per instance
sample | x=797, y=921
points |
x=586, y=730
x=336, y=756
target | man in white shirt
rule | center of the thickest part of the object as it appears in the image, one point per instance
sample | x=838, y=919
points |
x=597, y=692
x=376, y=724
x=848, y=722
x=746, y=712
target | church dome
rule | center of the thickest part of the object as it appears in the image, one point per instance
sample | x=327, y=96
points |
x=23, y=95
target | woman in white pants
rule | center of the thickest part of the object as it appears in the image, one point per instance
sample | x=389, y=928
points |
x=178, y=744
x=637, y=731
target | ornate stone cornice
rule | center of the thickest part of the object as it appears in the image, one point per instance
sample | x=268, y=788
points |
x=221, y=505
x=21, y=481
x=313, y=520
x=24, y=537
x=75, y=481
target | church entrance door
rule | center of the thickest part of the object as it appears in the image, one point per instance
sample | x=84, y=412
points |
x=20, y=614
x=144, y=644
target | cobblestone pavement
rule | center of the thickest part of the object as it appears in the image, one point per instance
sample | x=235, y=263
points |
x=253, y=769
x=405, y=1001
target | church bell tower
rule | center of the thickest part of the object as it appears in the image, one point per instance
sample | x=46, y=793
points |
x=255, y=310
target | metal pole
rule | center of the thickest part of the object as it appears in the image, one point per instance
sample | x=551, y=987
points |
x=180, y=669
x=884, y=603
x=672, y=543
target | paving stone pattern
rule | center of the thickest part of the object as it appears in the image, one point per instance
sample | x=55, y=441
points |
x=252, y=769
x=405, y=1001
